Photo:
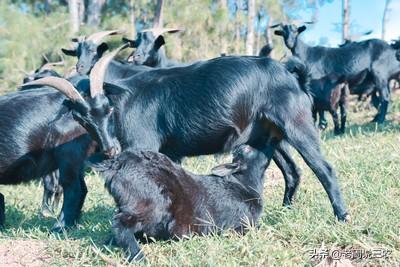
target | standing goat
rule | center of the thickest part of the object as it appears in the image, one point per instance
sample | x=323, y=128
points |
x=149, y=48
x=33, y=146
x=158, y=198
x=375, y=56
x=91, y=48
x=212, y=106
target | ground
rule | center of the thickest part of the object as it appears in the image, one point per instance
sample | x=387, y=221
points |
x=366, y=158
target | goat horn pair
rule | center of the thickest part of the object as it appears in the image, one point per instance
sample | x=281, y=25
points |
x=98, y=36
x=96, y=79
x=159, y=31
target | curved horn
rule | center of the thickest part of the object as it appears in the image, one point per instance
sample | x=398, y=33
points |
x=159, y=31
x=61, y=85
x=99, y=70
x=50, y=65
x=98, y=36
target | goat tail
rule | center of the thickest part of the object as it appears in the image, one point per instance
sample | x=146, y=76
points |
x=295, y=66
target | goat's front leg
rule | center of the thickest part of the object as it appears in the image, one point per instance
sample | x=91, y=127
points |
x=75, y=190
x=335, y=118
x=291, y=173
x=322, y=120
x=2, y=210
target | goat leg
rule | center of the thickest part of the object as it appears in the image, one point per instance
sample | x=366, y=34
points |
x=125, y=238
x=2, y=210
x=291, y=173
x=75, y=191
x=301, y=134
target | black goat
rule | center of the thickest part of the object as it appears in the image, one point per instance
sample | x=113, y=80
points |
x=52, y=189
x=33, y=146
x=90, y=49
x=348, y=61
x=212, y=106
x=149, y=48
x=159, y=199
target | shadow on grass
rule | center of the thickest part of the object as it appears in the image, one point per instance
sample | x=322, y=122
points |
x=17, y=219
x=355, y=130
x=93, y=225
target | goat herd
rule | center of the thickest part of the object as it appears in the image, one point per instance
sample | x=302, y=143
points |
x=134, y=121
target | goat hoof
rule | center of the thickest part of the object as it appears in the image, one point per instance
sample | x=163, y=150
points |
x=139, y=257
x=344, y=218
x=46, y=213
x=58, y=229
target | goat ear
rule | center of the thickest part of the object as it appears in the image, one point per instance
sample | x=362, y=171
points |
x=278, y=32
x=111, y=89
x=225, y=169
x=301, y=29
x=132, y=43
x=101, y=49
x=159, y=42
x=69, y=52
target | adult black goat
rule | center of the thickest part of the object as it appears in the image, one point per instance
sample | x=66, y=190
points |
x=39, y=135
x=90, y=49
x=212, y=106
x=373, y=55
x=159, y=199
x=149, y=48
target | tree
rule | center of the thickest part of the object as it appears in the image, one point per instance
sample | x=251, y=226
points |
x=132, y=17
x=158, y=14
x=385, y=18
x=73, y=8
x=94, y=12
x=251, y=15
x=345, y=19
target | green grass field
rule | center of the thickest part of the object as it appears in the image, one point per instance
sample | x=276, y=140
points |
x=366, y=158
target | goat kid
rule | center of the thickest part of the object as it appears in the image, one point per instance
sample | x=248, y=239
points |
x=158, y=198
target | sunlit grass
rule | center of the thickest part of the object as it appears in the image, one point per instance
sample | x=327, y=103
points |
x=366, y=158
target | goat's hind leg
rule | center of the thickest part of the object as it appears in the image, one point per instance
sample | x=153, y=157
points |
x=2, y=210
x=301, y=134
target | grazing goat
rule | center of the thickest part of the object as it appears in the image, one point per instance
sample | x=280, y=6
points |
x=33, y=146
x=212, y=106
x=149, y=48
x=348, y=61
x=158, y=198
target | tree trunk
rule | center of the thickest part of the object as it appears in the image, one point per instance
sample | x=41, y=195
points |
x=345, y=19
x=223, y=6
x=237, y=30
x=268, y=35
x=132, y=18
x=73, y=8
x=94, y=12
x=251, y=14
x=158, y=15
x=47, y=6
x=81, y=11
x=385, y=18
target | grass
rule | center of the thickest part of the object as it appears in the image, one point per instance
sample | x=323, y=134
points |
x=366, y=158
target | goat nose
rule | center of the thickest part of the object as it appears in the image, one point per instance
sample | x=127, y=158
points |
x=114, y=150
